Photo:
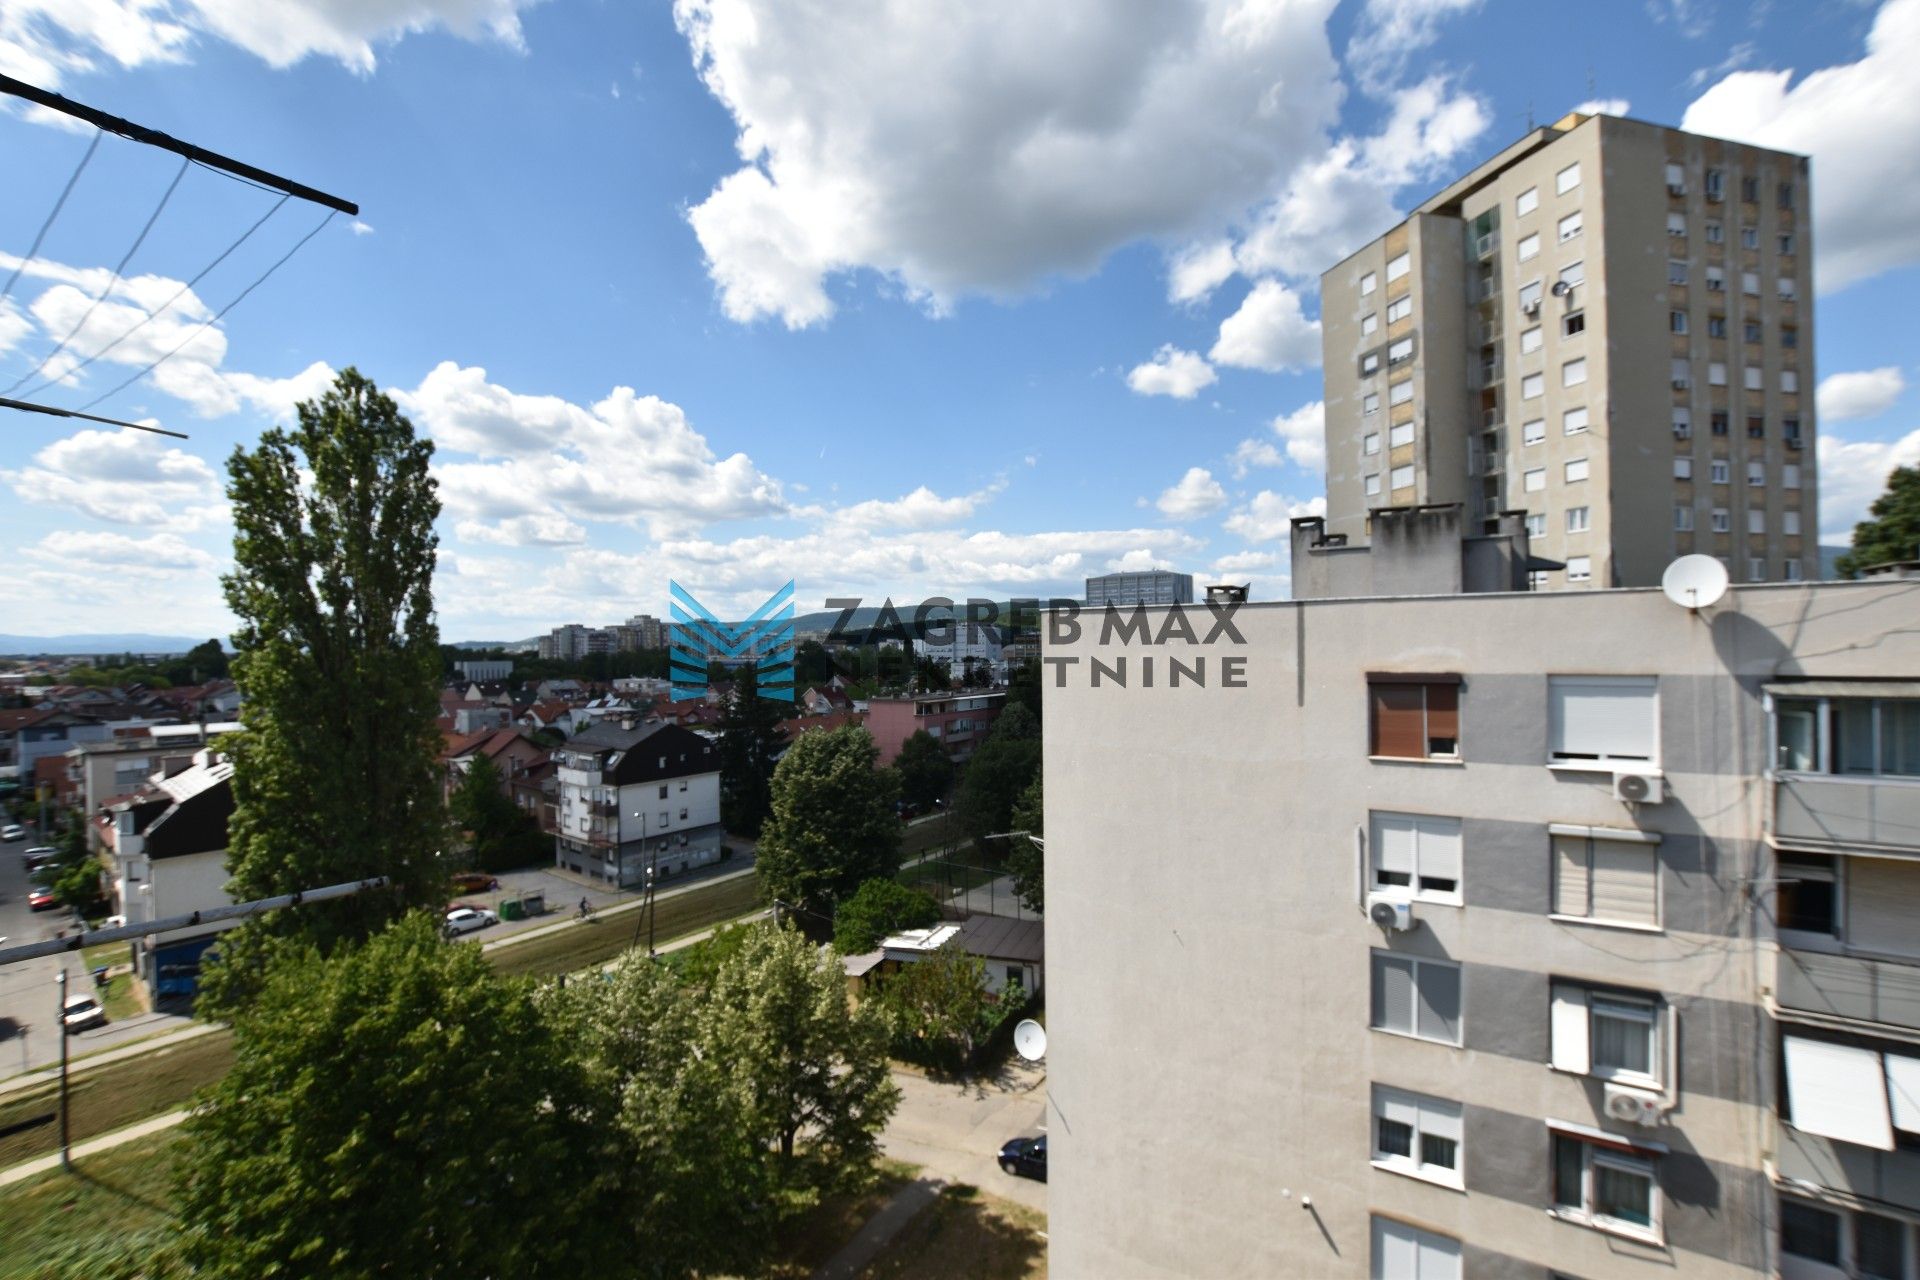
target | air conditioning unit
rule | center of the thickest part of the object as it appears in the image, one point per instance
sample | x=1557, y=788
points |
x=1639, y=787
x=1634, y=1106
x=1395, y=915
x=1530, y=308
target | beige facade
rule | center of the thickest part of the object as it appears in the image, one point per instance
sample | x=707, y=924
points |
x=1564, y=331
x=1251, y=1076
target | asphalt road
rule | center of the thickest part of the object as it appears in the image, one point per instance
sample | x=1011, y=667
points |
x=955, y=1130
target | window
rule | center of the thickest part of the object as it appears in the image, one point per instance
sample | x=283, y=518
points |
x=1399, y=435
x=1750, y=190
x=1757, y=473
x=664, y=819
x=1751, y=378
x=1536, y=480
x=683, y=786
x=1573, y=373
x=1416, y=853
x=1789, y=428
x=1400, y=392
x=1716, y=374
x=1414, y=997
x=1537, y=528
x=1716, y=279
x=1414, y=718
x=1604, y=874
x=1789, y=337
x=1576, y=470
x=1716, y=326
x=1579, y=568
x=1373, y=485
x=1790, y=382
x=1574, y=421
x=1575, y=322
x=1875, y=1246
x=1791, y=571
x=1402, y=477
x=1532, y=387
x=1790, y=476
x=1786, y=242
x=1683, y=519
x=1715, y=234
x=1403, y=1252
x=1530, y=340
x=1756, y=568
x=1526, y=202
x=1569, y=226
x=1367, y=284
x=1530, y=295
x=1783, y=196
x=1400, y=351
x=1785, y=285
x=1533, y=432
x=1398, y=266
x=1682, y=422
x=1682, y=374
x=1676, y=322
x=1370, y=363
x=683, y=815
x=1756, y=426
x=1751, y=331
x=1528, y=247
x=1416, y=1134
x=1749, y=237
x=1601, y=719
x=1573, y=273
x=1399, y=309
x=1370, y=403
x=1676, y=223
x=1606, y=1185
x=1841, y=1091
x=1676, y=271
x=663, y=793
x=1683, y=468
x=1722, y=521
x=1578, y=520
x=1569, y=178
x=1720, y=471
x=1790, y=523
x=1750, y=283
x=1676, y=180
x=1717, y=421
x=1370, y=443
x=1368, y=323
x=1716, y=184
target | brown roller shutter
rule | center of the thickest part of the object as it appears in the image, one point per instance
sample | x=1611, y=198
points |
x=1443, y=720
x=1399, y=720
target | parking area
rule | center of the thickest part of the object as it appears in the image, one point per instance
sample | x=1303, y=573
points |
x=562, y=891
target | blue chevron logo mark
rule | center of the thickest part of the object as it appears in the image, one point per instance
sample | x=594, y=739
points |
x=765, y=640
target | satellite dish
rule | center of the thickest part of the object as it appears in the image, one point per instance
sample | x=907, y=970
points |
x=1030, y=1040
x=1694, y=582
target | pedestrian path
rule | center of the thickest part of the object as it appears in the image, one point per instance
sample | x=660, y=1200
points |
x=92, y=1146
x=906, y=1205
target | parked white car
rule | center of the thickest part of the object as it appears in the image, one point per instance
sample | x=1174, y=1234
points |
x=82, y=1011
x=466, y=919
x=13, y=831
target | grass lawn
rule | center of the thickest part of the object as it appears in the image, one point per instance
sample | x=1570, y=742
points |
x=112, y=1097
x=938, y=877
x=603, y=938
x=107, y=953
x=111, y=1197
x=966, y=1235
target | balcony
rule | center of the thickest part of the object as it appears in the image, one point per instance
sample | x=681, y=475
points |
x=1850, y=987
x=1827, y=811
x=1892, y=1177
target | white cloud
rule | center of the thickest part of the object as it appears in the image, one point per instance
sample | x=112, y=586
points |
x=1604, y=107
x=162, y=554
x=124, y=477
x=921, y=509
x=1390, y=32
x=996, y=143
x=1741, y=55
x=13, y=326
x=1172, y=372
x=1860, y=122
x=1199, y=269
x=1269, y=516
x=1138, y=560
x=1305, y=431
x=544, y=530
x=1254, y=453
x=1866, y=394
x=1853, y=473
x=1197, y=494
x=1268, y=332
x=360, y=228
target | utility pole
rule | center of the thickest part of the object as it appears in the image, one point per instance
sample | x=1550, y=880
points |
x=60, y=1027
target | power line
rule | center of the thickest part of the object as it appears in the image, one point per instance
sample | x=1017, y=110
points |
x=25, y=407
x=179, y=293
x=108, y=288
x=65, y=191
x=154, y=138
x=260, y=280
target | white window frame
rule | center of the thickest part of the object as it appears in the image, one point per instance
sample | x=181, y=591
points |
x=1526, y=202
x=1373, y=485
x=1790, y=382
x=1369, y=364
x=1399, y=265
x=1427, y=1247
x=1750, y=283
x=1574, y=273
x=1790, y=523
x=1716, y=279
x=1400, y=392
x=1535, y=481
x=1530, y=340
x=1756, y=521
x=1640, y=689
x=1399, y=309
x=1784, y=286
x=1716, y=373
x=1579, y=568
x=1576, y=471
x=1437, y=839
x=1790, y=475
x=1394, y=479
x=1682, y=518
x=1534, y=432
x=1683, y=468
x=1569, y=226
x=1579, y=520
x=1722, y=520
x=1527, y=248
x=1399, y=351
x=1370, y=404
x=1754, y=378
x=1676, y=223
x=1756, y=473
x=1368, y=283
x=1533, y=386
x=1368, y=323
x=1420, y=964
x=1593, y=1155
x=1537, y=528
x=1530, y=293
x=1426, y=1116
x=1370, y=443
x=1719, y=471
x=1676, y=272
x=1399, y=434
x=1567, y=179
x=1573, y=373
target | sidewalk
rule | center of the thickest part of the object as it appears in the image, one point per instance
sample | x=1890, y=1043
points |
x=92, y=1146
x=880, y=1229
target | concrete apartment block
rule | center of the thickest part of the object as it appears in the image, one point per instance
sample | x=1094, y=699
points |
x=1674, y=1033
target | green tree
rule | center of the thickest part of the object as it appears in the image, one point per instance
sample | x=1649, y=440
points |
x=1894, y=531
x=74, y=873
x=878, y=908
x=1004, y=767
x=397, y=1109
x=938, y=1009
x=813, y=1066
x=812, y=664
x=833, y=825
x=925, y=769
x=930, y=675
x=336, y=776
x=503, y=836
x=700, y=963
x=676, y=1167
x=749, y=744
x=1023, y=687
x=1026, y=860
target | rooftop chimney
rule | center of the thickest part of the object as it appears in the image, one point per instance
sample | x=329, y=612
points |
x=1226, y=594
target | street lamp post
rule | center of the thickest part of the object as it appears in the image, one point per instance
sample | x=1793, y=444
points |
x=60, y=1026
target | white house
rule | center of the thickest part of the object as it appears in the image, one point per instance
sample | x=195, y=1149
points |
x=637, y=799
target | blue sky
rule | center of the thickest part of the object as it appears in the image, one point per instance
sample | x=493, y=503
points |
x=896, y=300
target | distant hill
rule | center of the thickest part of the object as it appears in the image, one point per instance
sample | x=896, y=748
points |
x=1830, y=560
x=102, y=643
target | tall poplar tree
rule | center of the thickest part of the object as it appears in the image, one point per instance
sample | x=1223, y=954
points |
x=338, y=662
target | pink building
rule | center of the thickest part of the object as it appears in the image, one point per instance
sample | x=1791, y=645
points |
x=959, y=721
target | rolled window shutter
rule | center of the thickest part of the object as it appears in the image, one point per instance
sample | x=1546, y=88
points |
x=1398, y=721
x=1570, y=1051
x=1393, y=844
x=1571, y=883
x=1443, y=714
x=1439, y=848
x=1625, y=886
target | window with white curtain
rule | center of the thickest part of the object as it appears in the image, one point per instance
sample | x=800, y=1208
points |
x=1416, y=854
x=1615, y=1035
x=1602, y=719
x=1605, y=874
